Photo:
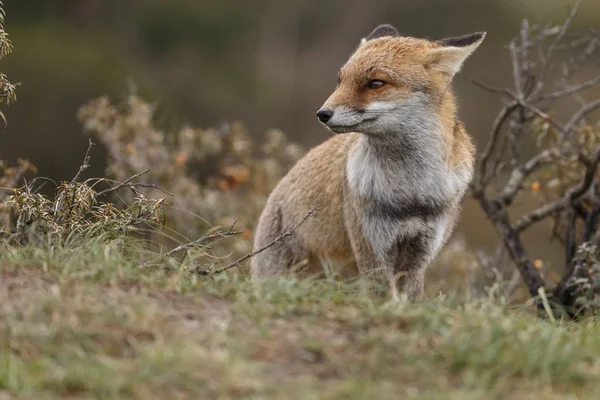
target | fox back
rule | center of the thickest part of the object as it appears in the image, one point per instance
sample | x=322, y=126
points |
x=388, y=187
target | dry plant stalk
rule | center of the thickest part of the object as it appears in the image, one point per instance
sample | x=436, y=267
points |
x=565, y=161
x=76, y=209
x=234, y=182
x=7, y=90
x=279, y=239
x=76, y=212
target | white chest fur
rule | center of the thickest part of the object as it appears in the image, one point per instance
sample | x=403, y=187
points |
x=403, y=172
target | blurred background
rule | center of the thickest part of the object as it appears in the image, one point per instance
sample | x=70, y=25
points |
x=269, y=63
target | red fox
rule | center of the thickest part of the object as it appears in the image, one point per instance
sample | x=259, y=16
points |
x=388, y=187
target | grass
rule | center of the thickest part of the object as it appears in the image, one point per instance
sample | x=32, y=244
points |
x=84, y=321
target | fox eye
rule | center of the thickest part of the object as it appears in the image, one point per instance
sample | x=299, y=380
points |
x=376, y=84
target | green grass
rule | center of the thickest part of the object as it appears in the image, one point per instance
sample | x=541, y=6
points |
x=86, y=322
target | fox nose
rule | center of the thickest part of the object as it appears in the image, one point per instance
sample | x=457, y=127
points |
x=324, y=114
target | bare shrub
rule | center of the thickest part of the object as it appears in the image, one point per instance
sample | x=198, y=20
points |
x=548, y=66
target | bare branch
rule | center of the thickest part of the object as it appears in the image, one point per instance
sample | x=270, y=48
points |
x=512, y=242
x=569, y=90
x=516, y=70
x=559, y=36
x=523, y=104
x=202, y=241
x=134, y=186
x=196, y=243
x=493, y=89
x=540, y=213
x=123, y=184
x=545, y=117
x=275, y=241
x=572, y=197
x=495, y=132
x=525, y=62
x=581, y=113
x=86, y=162
x=588, y=178
x=63, y=196
x=522, y=172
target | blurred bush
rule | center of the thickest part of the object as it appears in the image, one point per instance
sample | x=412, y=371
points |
x=7, y=89
x=216, y=176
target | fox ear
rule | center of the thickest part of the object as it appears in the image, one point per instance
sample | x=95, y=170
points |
x=381, y=31
x=453, y=52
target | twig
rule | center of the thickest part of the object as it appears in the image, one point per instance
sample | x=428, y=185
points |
x=510, y=237
x=123, y=184
x=545, y=117
x=522, y=103
x=147, y=185
x=520, y=174
x=539, y=214
x=199, y=242
x=60, y=201
x=588, y=178
x=494, y=134
x=569, y=90
x=585, y=40
x=275, y=241
x=572, y=197
x=525, y=63
x=494, y=89
x=86, y=162
x=202, y=241
x=516, y=70
x=582, y=112
x=561, y=33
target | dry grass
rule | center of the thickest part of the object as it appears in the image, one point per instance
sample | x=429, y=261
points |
x=87, y=322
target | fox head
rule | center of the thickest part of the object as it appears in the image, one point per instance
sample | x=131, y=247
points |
x=393, y=82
